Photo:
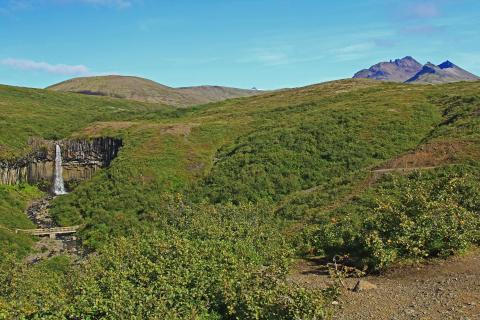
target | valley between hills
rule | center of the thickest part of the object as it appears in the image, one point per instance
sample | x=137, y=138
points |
x=265, y=205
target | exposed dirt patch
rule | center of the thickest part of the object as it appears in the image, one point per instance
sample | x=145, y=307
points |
x=432, y=155
x=179, y=129
x=99, y=128
x=447, y=289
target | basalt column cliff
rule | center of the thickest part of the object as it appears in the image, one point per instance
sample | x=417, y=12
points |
x=80, y=158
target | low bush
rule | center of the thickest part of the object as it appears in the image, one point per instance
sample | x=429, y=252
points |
x=406, y=218
x=189, y=262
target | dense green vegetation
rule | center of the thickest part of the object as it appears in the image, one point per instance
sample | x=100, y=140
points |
x=203, y=210
x=410, y=217
x=13, y=201
x=207, y=262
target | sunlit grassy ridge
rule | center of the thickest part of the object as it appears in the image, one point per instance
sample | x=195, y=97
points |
x=26, y=113
x=140, y=89
x=295, y=164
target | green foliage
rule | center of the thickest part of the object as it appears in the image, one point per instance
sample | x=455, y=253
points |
x=13, y=201
x=246, y=168
x=305, y=146
x=422, y=215
x=461, y=118
x=26, y=113
x=427, y=218
x=33, y=292
x=202, y=261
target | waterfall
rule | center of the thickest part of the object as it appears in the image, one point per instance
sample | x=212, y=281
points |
x=58, y=185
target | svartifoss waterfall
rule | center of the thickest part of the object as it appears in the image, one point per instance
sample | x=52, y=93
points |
x=58, y=185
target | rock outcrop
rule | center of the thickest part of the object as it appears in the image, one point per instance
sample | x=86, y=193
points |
x=81, y=159
x=398, y=70
x=409, y=70
x=445, y=72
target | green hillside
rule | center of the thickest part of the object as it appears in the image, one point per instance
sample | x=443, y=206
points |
x=39, y=113
x=204, y=209
x=139, y=89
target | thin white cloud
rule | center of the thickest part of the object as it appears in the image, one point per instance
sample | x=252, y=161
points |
x=356, y=48
x=266, y=56
x=110, y=3
x=423, y=10
x=353, y=51
x=61, y=69
x=272, y=57
x=10, y=6
x=422, y=30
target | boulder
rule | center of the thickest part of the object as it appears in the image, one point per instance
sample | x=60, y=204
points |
x=363, y=285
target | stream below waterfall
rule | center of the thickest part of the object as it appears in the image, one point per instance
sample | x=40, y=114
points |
x=45, y=247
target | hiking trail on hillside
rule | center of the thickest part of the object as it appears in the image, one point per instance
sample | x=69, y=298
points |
x=443, y=289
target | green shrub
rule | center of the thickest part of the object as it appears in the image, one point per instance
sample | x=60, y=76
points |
x=202, y=261
x=427, y=218
x=422, y=215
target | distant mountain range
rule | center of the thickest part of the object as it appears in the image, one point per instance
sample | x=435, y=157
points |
x=409, y=70
x=140, y=89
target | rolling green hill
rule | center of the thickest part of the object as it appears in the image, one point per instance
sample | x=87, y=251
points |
x=139, y=89
x=204, y=208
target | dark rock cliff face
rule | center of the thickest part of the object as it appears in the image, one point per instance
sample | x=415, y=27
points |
x=81, y=159
x=398, y=70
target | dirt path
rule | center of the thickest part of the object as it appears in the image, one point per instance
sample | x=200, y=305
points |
x=447, y=289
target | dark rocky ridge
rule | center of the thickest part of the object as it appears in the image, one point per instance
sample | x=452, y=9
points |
x=81, y=159
x=399, y=70
x=443, y=73
x=409, y=70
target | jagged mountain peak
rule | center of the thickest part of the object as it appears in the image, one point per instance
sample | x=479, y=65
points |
x=443, y=73
x=409, y=70
x=398, y=70
x=447, y=64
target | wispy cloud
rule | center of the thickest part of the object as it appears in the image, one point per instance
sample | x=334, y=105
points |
x=272, y=57
x=110, y=3
x=353, y=51
x=422, y=30
x=11, y=6
x=60, y=69
x=423, y=10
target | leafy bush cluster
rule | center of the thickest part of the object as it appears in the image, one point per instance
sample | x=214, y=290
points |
x=204, y=261
x=414, y=217
x=13, y=200
x=306, y=146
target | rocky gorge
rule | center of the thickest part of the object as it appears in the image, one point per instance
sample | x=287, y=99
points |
x=81, y=159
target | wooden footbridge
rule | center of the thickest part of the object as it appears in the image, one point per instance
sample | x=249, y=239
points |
x=51, y=232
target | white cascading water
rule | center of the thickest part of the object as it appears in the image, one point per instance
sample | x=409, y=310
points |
x=58, y=185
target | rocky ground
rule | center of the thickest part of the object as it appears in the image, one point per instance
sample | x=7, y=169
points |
x=37, y=211
x=44, y=248
x=443, y=289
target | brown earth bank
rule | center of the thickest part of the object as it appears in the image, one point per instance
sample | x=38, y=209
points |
x=435, y=154
x=441, y=289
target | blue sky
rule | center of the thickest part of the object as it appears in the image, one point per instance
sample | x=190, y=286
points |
x=242, y=43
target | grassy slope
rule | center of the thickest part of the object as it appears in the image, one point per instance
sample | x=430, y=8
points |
x=304, y=148
x=140, y=89
x=307, y=152
x=28, y=113
x=13, y=200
